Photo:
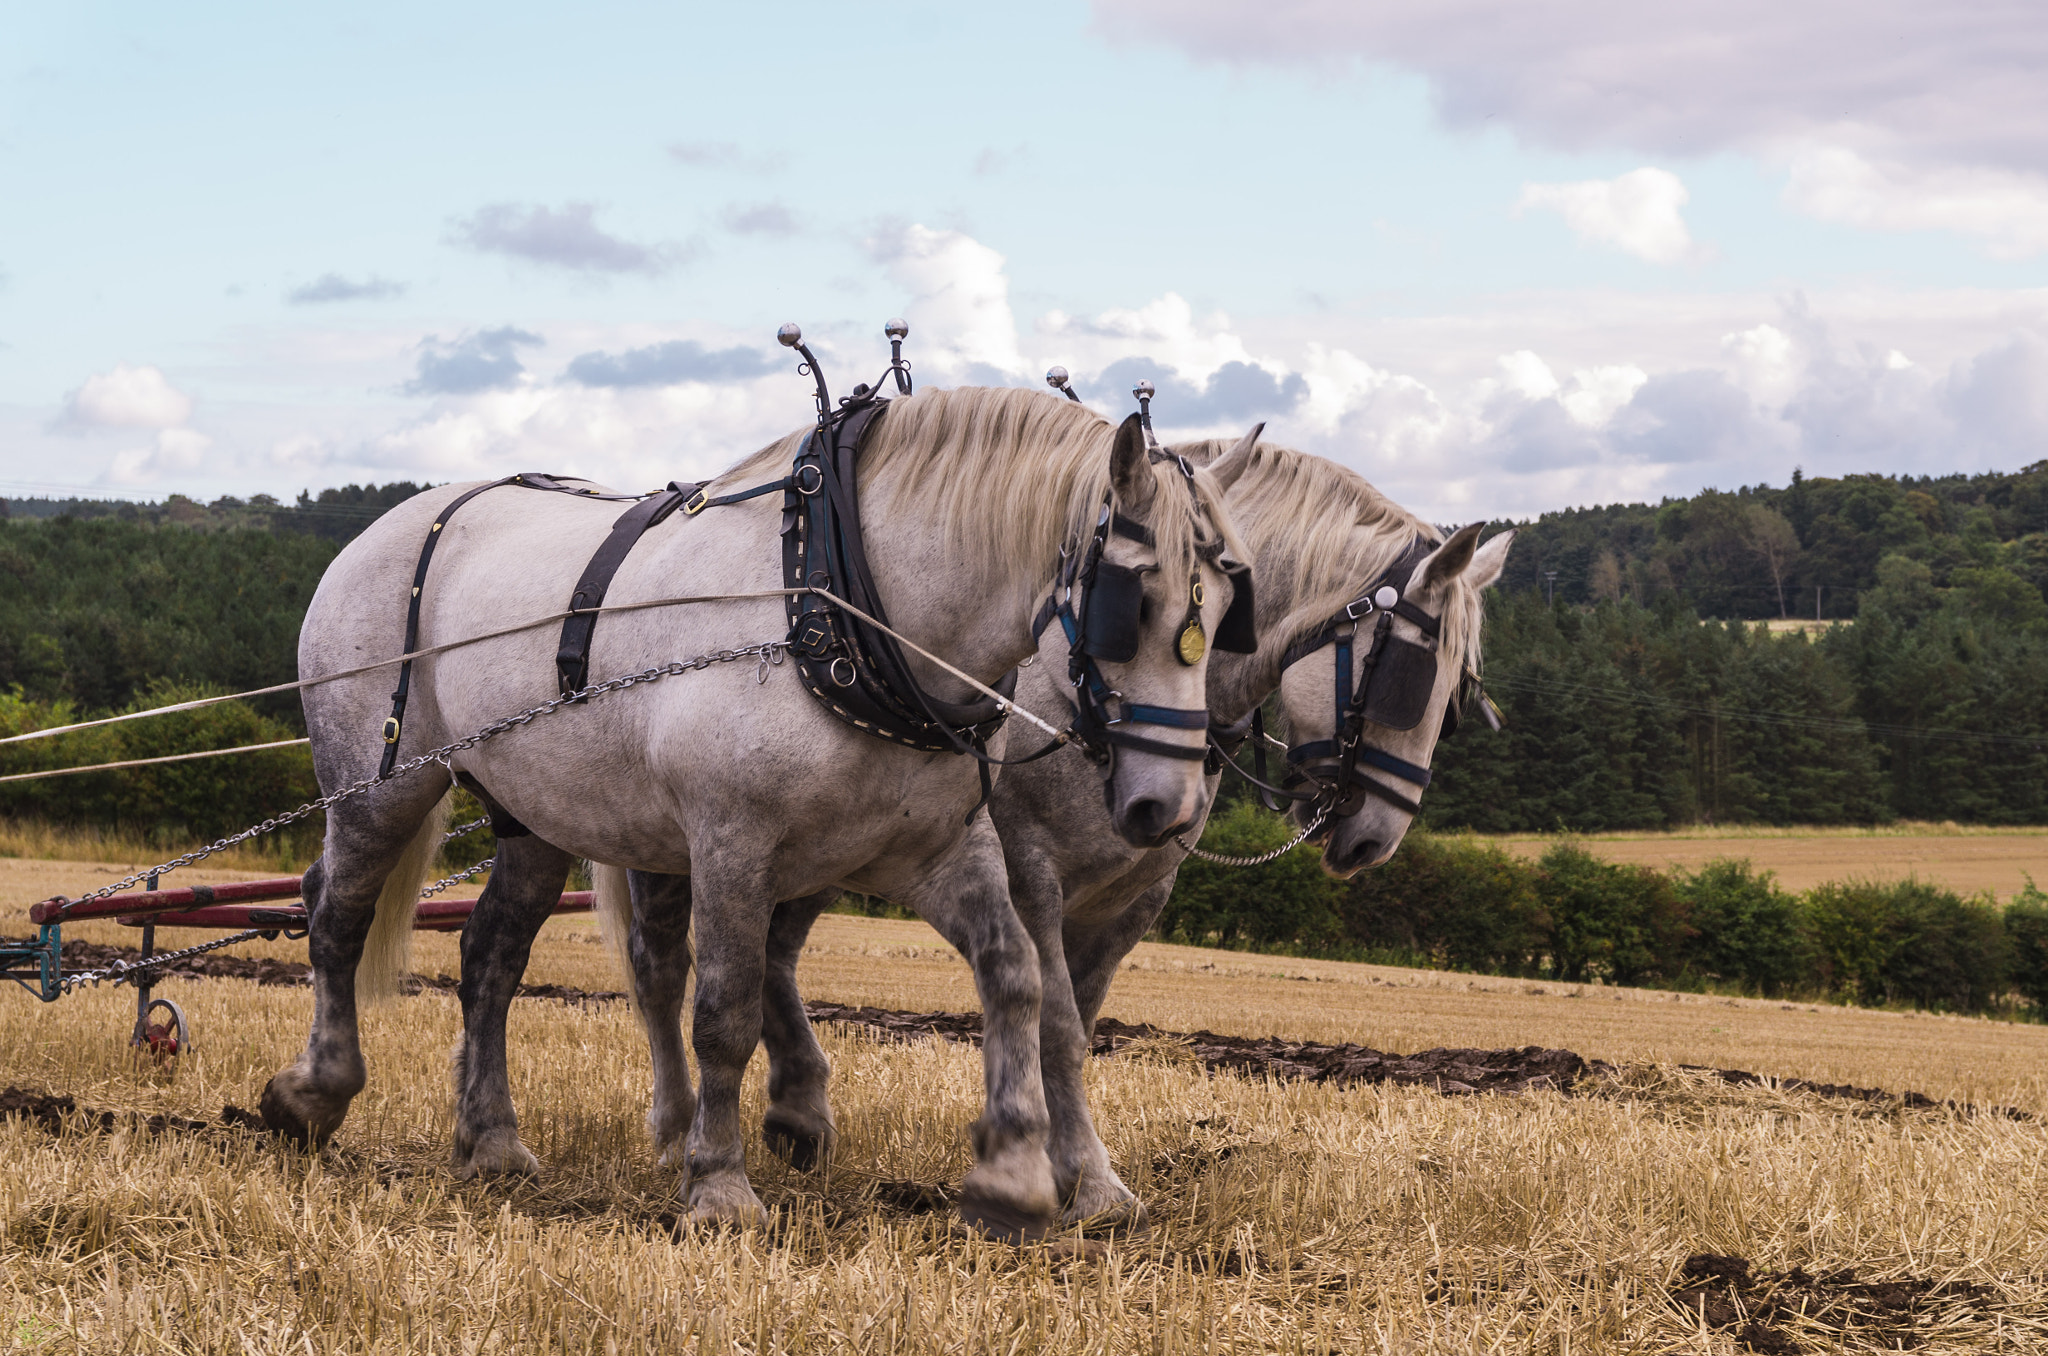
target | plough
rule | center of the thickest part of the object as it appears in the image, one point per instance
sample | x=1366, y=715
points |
x=245, y=909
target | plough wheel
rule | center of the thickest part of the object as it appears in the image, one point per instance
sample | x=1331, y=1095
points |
x=163, y=1040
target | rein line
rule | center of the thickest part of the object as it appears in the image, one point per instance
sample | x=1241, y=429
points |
x=547, y=620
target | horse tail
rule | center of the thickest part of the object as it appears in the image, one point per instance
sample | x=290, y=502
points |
x=614, y=905
x=387, y=951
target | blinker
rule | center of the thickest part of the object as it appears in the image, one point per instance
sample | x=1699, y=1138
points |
x=1236, y=632
x=1401, y=684
x=1111, y=614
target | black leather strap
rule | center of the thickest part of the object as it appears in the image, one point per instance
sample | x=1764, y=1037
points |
x=394, y=724
x=572, y=656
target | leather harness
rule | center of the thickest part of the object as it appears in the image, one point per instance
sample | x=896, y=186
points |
x=858, y=672
x=1392, y=690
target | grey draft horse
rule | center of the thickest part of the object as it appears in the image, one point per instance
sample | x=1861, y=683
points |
x=733, y=776
x=1318, y=534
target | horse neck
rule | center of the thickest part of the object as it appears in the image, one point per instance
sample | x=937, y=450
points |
x=1239, y=682
x=944, y=600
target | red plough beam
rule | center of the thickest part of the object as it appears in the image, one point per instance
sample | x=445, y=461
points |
x=241, y=904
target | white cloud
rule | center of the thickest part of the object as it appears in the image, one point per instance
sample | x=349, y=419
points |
x=127, y=397
x=959, y=307
x=173, y=452
x=1597, y=394
x=1165, y=329
x=1950, y=102
x=2005, y=209
x=1636, y=213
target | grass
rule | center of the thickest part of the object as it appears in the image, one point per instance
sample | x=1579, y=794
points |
x=1288, y=1217
x=36, y=840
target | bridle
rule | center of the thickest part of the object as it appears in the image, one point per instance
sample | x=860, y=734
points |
x=1389, y=686
x=1106, y=624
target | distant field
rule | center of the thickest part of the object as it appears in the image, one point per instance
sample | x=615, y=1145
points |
x=1962, y=858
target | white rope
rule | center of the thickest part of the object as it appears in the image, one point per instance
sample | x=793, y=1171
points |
x=551, y=617
x=146, y=762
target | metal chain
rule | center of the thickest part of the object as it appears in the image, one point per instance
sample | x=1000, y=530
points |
x=133, y=972
x=766, y=653
x=460, y=829
x=1263, y=857
x=438, y=886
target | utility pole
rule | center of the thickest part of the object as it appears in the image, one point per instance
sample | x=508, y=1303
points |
x=1550, y=588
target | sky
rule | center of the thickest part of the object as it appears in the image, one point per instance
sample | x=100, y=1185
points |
x=1500, y=258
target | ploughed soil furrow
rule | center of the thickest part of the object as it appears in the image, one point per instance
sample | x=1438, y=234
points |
x=1770, y=1312
x=1454, y=1072
x=50, y=1110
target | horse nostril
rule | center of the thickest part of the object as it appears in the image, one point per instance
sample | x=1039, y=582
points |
x=1147, y=822
x=1349, y=857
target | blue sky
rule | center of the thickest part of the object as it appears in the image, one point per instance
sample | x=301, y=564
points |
x=1496, y=268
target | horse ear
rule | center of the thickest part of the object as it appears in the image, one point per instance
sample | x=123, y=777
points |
x=1448, y=561
x=1129, y=472
x=1489, y=560
x=1232, y=464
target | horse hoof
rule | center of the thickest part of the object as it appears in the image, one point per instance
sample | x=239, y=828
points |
x=283, y=1112
x=802, y=1146
x=1009, y=1194
x=281, y=1119
x=723, y=1202
x=1000, y=1219
x=495, y=1160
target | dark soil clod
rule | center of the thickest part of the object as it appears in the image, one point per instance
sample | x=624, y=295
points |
x=50, y=1110
x=1726, y=1292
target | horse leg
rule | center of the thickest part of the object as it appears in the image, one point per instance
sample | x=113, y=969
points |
x=1096, y=1197
x=1094, y=953
x=733, y=912
x=658, y=947
x=799, y=1125
x=1010, y=1191
x=372, y=861
x=497, y=940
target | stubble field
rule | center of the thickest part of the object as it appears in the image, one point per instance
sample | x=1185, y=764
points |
x=1964, y=858
x=1288, y=1215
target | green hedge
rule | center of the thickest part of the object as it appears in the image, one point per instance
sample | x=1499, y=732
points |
x=1457, y=902
x=173, y=802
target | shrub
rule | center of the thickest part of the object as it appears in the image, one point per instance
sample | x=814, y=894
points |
x=1290, y=902
x=1624, y=924
x=1451, y=901
x=2026, y=935
x=1909, y=942
x=1745, y=930
x=204, y=798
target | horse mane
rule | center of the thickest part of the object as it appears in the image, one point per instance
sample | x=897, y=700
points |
x=1015, y=474
x=1301, y=515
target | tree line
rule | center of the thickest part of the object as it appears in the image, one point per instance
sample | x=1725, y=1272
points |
x=1624, y=645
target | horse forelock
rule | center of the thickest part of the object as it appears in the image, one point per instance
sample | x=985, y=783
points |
x=1300, y=515
x=1014, y=475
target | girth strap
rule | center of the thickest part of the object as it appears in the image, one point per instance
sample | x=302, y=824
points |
x=572, y=657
